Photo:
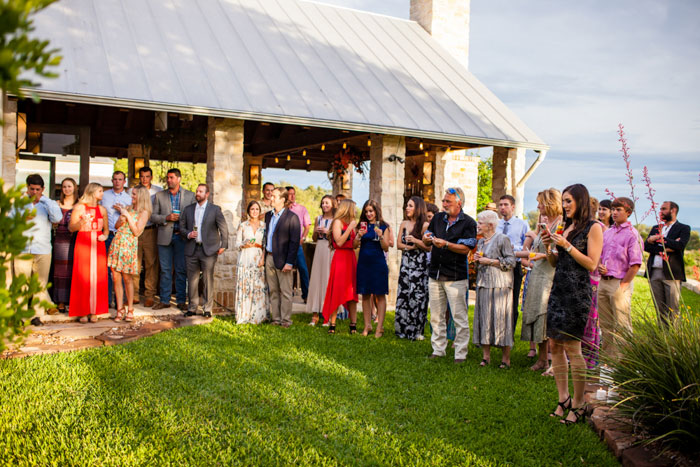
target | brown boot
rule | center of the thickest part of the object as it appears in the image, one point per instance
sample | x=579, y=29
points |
x=148, y=303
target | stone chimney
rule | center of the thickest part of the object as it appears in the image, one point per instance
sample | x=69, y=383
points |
x=448, y=22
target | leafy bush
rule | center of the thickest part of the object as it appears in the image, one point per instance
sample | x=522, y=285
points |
x=658, y=377
x=18, y=299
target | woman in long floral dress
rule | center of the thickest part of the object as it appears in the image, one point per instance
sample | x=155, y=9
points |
x=123, y=255
x=251, y=292
x=412, y=296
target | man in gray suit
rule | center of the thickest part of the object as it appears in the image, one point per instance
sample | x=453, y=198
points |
x=167, y=205
x=205, y=228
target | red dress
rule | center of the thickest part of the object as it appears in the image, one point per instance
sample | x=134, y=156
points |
x=88, y=294
x=342, y=281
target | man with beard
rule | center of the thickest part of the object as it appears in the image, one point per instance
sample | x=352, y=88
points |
x=204, y=226
x=665, y=267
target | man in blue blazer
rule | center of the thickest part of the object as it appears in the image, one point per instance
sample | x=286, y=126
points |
x=282, y=245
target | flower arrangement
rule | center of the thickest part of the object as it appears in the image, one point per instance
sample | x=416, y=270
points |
x=342, y=160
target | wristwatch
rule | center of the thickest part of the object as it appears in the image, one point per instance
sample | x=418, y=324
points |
x=568, y=248
x=446, y=245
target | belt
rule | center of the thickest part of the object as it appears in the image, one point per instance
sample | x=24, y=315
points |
x=609, y=278
x=149, y=227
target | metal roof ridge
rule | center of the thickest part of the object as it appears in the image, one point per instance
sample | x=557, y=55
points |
x=371, y=13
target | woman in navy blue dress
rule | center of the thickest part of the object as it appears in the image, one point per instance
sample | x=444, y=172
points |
x=374, y=238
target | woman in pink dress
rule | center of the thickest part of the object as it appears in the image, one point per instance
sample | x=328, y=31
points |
x=88, y=295
x=123, y=255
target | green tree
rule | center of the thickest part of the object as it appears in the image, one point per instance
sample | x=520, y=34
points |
x=19, y=296
x=192, y=174
x=485, y=182
x=20, y=54
x=532, y=217
x=309, y=197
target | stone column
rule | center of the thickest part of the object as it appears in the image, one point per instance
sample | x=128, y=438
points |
x=386, y=186
x=457, y=169
x=251, y=191
x=9, y=140
x=225, y=180
x=448, y=22
x=508, y=169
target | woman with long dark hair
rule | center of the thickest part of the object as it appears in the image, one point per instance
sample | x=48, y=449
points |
x=62, y=250
x=321, y=267
x=574, y=250
x=605, y=213
x=374, y=238
x=412, y=295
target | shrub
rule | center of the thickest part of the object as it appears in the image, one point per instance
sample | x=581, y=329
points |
x=658, y=379
x=18, y=299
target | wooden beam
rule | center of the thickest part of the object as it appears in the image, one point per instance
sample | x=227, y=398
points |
x=300, y=141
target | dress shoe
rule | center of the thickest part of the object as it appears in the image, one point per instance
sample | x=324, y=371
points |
x=36, y=321
x=182, y=306
x=52, y=311
x=433, y=356
x=148, y=303
x=285, y=325
x=207, y=314
x=161, y=306
x=136, y=300
x=190, y=313
x=460, y=360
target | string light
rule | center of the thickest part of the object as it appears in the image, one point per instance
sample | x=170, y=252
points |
x=289, y=158
x=323, y=147
x=304, y=153
x=426, y=154
x=277, y=160
x=421, y=145
x=369, y=142
x=308, y=161
x=345, y=144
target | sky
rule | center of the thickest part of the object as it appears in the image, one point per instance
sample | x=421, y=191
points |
x=573, y=71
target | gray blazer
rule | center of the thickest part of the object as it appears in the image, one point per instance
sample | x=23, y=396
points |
x=214, y=229
x=163, y=208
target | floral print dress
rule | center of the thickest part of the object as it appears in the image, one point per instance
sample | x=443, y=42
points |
x=412, y=296
x=252, y=302
x=124, y=251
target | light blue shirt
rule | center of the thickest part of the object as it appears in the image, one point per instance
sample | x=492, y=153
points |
x=271, y=228
x=517, y=229
x=47, y=212
x=109, y=199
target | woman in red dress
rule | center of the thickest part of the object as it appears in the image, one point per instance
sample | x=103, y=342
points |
x=342, y=281
x=88, y=295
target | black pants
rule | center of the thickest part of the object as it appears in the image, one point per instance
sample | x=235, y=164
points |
x=517, y=281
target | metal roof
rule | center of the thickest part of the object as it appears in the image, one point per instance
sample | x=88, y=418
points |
x=282, y=61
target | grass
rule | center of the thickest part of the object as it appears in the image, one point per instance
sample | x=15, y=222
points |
x=260, y=395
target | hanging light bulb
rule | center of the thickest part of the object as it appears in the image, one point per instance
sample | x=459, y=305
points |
x=304, y=153
x=345, y=144
x=277, y=160
x=289, y=158
x=426, y=154
x=323, y=147
x=369, y=142
x=421, y=145
x=308, y=161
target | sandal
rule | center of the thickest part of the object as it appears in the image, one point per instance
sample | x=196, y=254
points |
x=129, y=315
x=566, y=405
x=379, y=333
x=331, y=329
x=532, y=353
x=120, y=315
x=92, y=318
x=314, y=321
x=83, y=319
x=353, y=328
x=484, y=362
x=504, y=366
x=367, y=331
x=580, y=413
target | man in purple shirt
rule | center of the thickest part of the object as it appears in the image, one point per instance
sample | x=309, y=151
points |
x=305, y=221
x=619, y=263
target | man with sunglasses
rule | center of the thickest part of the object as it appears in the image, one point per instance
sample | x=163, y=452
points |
x=451, y=233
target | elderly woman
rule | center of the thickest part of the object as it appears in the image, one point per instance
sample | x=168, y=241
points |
x=493, y=317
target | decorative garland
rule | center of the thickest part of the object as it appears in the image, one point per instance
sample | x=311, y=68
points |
x=341, y=161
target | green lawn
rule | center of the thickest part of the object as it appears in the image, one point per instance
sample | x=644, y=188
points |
x=261, y=395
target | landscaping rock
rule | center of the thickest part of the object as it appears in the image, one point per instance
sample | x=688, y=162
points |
x=640, y=456
x=618, y=441
x=194, y=320
x=159, y=326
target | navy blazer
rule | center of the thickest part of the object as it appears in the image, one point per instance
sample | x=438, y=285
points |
x=285, y=239
x=676, y=239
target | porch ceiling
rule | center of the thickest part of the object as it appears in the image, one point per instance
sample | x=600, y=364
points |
x=279, y=61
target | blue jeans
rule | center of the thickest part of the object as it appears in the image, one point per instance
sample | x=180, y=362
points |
x=173, y=257
x=303, y=273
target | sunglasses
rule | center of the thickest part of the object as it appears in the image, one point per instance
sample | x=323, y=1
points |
x=453, y=191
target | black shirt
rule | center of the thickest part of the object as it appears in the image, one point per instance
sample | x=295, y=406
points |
x=446, y=265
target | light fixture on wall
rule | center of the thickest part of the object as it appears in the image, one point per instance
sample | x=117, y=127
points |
x=427, y=173
x=395, y=158
x=139, y=163
x=21, y=130
x=254, y=175
x=345, y=182
x=420, y=145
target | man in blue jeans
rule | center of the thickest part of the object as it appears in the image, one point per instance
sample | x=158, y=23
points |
x=117, y=195
x=305, y=221
x=167, y=206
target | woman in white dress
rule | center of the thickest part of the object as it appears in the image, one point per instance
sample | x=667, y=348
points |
x=251, y=292
x=321, y=267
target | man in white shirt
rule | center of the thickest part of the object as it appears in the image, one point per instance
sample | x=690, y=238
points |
x=515, y=229
x=39, y=243
x=117, y=195
x=204, y=226
x=148, y=244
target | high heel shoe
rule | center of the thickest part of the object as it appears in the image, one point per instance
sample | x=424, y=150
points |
x=331, y=328
x=580, y=413
x=566, y=405
x=129, y=315
x=367, y=331
x=120, y=315
x=353, y=328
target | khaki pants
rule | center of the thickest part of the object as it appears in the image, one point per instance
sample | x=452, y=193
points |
x=39, y=265
x=454, y=293
x=148, y=256
x=667, y=295
x=280, y=285
x=614, y=310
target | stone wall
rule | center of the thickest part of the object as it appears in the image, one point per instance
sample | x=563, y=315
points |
x=386, y=186
x=225, y=178
x=448, y=22
x=508, y=169
x=9, y=140
x=457, y=169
